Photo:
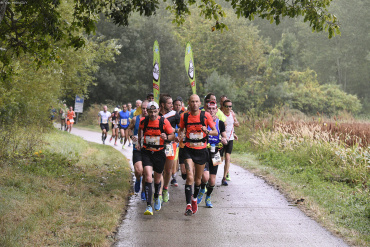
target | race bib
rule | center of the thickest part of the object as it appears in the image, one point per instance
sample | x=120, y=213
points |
x=169, y=149
x=124, y=121
x=71, y=121
x=104, y=120
x=216, y=160
x=152, y=140
x=196, y=136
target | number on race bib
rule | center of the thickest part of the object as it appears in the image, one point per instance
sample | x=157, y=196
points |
x=216, y=160
x=104, y=121
x=124, y=121
x=169, y=149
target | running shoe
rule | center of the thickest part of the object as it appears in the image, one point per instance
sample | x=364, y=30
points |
x=123, y=146
x=228, y=177
x=149, y=210
x=129, y=144
x=157, y=203
x=166, y=195
x=143, y=197
x=104, y=142
x=194, y=205
x=224, y=183
x=115, y=144
x=188, y=211
x=137, y=185
x=200, y=195
x=174, y=182
x=208, y=202
x=110, y=138
x=121, y=141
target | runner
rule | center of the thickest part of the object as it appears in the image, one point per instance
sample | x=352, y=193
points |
x=137, y=110
x=124, y=121
x=173, y=117
x=195, y=153
x=177, y=106
x=222, y=99
x=212, y=97
x=210, y=171
x=150, y=97
x=155, y=131
x=131, y=111
x=70, y=118
x=115, y=130
x=62, y=113
x=103, y=117
x=136, y=153
x=231, y=122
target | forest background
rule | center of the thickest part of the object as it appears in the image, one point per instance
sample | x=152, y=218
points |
x=260, y=66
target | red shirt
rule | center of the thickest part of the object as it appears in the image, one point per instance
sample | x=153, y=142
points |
x=195, y=131
x=152, y=133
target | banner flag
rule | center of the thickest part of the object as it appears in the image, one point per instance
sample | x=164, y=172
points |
x=156, y=72
x=189, y=66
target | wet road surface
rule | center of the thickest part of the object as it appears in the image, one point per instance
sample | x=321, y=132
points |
x=248, y=212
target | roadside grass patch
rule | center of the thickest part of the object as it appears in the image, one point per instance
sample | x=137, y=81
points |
x=68, y=193
x=332, y=178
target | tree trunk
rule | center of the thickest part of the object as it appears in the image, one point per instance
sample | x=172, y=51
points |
x=2, y=10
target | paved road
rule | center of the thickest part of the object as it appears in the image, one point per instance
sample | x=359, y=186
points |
x=248, y=212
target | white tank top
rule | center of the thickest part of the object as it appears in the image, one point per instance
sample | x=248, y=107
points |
x=229, y=127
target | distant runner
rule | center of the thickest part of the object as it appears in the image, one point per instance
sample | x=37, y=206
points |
x=63, y=113
x=124, y=121
x=70, y=118
x=115, y=129
x=103, y=117
x=155, y=131
x=150, y=97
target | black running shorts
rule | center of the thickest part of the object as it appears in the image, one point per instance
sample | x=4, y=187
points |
x=155, y=159
x=199, y=156
x=228, y=148
x=104, y=126
x=136, y=156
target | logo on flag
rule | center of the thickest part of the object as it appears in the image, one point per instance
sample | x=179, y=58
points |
x=156, y=71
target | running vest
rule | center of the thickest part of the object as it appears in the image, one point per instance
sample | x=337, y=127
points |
x=215, y=139
x=152, y=134
x=195, y=127
x=229, y=127
x=124, y=119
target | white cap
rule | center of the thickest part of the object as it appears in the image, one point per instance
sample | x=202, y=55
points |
x=116, y=109
x=152, y=105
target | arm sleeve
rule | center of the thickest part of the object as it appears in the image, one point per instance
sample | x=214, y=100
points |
x=221, y=125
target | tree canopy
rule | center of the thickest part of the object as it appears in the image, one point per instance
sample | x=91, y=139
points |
x=33, y=27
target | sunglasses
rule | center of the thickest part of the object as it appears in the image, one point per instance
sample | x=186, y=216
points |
x=228, y=106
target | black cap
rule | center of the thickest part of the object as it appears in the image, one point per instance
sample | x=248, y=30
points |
x=149, y=94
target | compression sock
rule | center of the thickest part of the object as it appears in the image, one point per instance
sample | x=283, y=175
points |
x=203, y=185
x=209, y=190
x=196, y=191
x=157, y=187
x=148, y=193
x=188, y=193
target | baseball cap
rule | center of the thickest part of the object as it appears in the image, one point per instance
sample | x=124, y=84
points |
x=152, y=105
x=116, y=109
x=212, y=103
x=149, y=94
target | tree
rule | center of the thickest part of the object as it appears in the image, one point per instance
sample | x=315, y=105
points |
x=33, y=27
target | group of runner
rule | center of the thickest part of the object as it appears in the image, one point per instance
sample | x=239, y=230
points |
x=120, y=120
x=67, y=116
x=167, y=137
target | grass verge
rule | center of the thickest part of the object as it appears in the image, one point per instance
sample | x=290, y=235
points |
x=69, y=193
x=326, y=180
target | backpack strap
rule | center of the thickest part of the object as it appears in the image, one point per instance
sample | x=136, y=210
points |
x=161, y=123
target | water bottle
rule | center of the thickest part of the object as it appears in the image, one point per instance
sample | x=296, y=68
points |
x=213, y=148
